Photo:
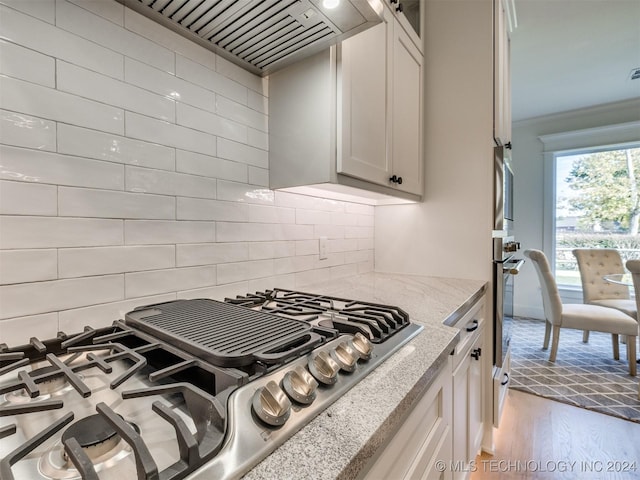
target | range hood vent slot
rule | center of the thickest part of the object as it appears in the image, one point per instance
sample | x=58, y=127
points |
x=262, y=35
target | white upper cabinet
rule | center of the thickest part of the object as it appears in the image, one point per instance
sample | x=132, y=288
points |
x=502, y=65
x=351, y=117
x=380, y=112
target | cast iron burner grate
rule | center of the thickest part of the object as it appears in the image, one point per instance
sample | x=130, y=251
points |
x=376, y=321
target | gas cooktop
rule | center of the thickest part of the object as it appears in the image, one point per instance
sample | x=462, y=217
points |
x=189, y=389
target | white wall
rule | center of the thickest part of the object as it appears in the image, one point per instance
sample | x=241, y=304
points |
x=449, y=234
x=134, y=170
x=529, y=184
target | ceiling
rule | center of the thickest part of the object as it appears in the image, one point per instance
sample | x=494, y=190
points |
x=572, y=54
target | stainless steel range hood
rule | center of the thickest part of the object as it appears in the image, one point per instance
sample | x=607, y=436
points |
x=262, y=35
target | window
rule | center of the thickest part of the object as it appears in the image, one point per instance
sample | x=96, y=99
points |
x=596, y=206
x=592, y=183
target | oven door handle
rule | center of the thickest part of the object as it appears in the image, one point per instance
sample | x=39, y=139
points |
x=513, y=268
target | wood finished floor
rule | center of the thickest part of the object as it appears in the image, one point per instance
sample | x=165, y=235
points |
x=538, y=435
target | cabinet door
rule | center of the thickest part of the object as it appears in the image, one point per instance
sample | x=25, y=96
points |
x=406, y=117
x=475, y=396
x=502, y=68
x=362, y=106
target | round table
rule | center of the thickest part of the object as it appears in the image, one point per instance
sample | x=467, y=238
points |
x=619, y=279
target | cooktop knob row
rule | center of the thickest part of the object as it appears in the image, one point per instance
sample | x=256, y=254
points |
x=271, y=403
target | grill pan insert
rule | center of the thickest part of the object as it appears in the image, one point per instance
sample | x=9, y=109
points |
x=224, y=334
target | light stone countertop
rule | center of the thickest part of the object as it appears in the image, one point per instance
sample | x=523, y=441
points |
x=340, y=441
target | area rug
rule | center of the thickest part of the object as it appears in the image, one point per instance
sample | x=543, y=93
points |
x=584, y=374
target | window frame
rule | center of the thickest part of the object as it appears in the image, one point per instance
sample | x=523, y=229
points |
x=592, y=140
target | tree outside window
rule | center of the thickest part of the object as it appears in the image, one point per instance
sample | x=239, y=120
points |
x=597, y=205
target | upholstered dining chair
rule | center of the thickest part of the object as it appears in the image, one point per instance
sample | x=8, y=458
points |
x=634, y=267
x=593, y=264
x=580, y=316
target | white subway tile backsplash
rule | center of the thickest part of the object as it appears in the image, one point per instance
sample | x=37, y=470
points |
x=112, y=11
x=33, y=265
x=294, y=264
x=52, y=41
x=258, y=176
x=44, y=102
x=142, y=284
x=242, y=114
x=28, y=165
x=267, y=283
x=239, y=192
x=329, y=231
x=18, y=331
x=148, y=180
x=42, y=297
x=244, y=232
x=25, y=64
x=279, y=249
x=43, y=9
x=20, y=198
x=164, y=133
x=309, y=277
x=234, y=72
x=257, y=139
x=50, y=232
x=168, y=85
x=204, y=121
x=219, y=292
x=270, y=214
x=312, y=217
x=83, y=262
x=23, y=130
x=242, y=153
x=86, y=202
x=99, y=30
x=258, y=102
x=85, y=83
x=208, y=166
x=113, y=148
x=342, y=245
x=211, y=253
x=358, y=232
x=74, y=320
x=235, y=272
x=201, y=209
x=139, y=174
x=205, y=77
x=168, y=39
x=155, y=232
x=286, y=199
x=308, y=247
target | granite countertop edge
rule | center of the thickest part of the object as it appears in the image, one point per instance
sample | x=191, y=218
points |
x=341, y=440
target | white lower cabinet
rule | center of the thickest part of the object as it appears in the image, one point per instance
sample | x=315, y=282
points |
x=442, y=434
x=423, y=442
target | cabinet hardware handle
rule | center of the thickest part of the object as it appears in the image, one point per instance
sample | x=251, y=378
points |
x=476, y=353
x=508, y=145
x=473, y=327
x=400, y=178
x=399, y=8
x=393, y=179
x=506, y=379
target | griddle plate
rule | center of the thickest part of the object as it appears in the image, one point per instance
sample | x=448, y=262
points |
x=224, y=334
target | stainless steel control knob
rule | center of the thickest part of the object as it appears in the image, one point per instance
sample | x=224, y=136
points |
x=271, y=404
x=324, y=368
x=300, y=385
x=346, y=356
x=362, y=345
